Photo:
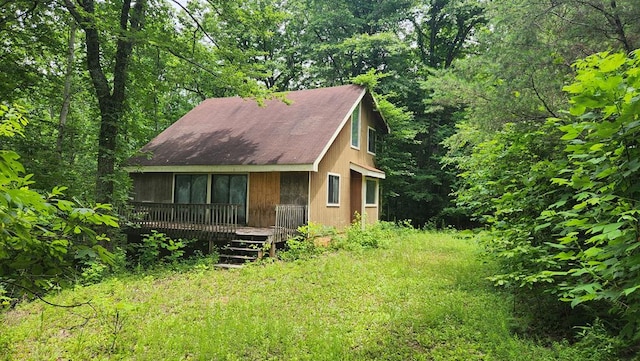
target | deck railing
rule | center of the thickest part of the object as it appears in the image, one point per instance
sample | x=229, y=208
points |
x=288, y=218
x=183, y=220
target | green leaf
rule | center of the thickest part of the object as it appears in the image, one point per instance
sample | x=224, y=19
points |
x=592, y=252
x=630, y=290
x=612, y=62
x=560, y=181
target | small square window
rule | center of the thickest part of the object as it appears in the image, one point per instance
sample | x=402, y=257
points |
x=333, y=193
x=371, y=192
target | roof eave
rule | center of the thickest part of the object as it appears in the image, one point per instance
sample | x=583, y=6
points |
x=230, y=168
x=367, y=171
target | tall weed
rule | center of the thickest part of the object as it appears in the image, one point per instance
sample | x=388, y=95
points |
x=359, y=235
x=306, y=245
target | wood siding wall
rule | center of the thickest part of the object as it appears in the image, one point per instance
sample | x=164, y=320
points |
x=372, y=212
x=152, y=187
x=337, y=161
x=264, y=194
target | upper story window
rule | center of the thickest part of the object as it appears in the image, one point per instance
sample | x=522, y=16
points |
x=355, y=127
x=371, y=140
x=333, y=190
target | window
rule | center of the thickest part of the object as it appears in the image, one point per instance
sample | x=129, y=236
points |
x=371, y=192
x=355, y=127
x=333, y=198
x=231, y=189
x=371, y=141
x=191, y=188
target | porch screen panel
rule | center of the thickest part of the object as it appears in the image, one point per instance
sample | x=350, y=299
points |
x=238, y=192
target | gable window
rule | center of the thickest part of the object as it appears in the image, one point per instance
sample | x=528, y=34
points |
x=371, y=141
x=333, y=190
x=355, y=127
x=191, y=188
x=371, y=197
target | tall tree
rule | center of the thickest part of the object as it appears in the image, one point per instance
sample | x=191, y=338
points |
x=110, y=94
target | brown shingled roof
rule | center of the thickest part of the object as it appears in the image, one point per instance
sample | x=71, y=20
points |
x=236, y=131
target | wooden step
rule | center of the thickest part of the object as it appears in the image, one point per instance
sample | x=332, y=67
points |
x=238, y=256
x=246, y=241
x=228, y=265
x=243, y=249
x=240, y=251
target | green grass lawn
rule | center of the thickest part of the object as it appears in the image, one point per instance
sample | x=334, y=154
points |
x=422, y=298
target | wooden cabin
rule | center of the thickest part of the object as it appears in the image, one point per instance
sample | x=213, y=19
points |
x=316, y=151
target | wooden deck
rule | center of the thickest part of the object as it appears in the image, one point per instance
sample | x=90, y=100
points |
x=217, y=226
x=201, y=221
x=209, y=222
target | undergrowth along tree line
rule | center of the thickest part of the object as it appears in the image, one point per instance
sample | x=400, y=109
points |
x=561, y=199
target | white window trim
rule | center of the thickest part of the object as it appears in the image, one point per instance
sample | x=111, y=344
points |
x=329, y=175
x=357, y=146
x=377, y=196
x=369, y=140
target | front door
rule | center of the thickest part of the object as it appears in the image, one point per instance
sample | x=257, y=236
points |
x=355, y=194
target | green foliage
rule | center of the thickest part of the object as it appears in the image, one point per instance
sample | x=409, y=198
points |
x=597, y=343
x=598, y=225
x=299, y=248
x=306, y=244
x=155, y=249
x=360, y=236
x=506, y=185
x=561, y=199
x=42, y=238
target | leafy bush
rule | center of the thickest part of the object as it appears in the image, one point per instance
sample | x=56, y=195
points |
x=561, y=200
x=156, y=248
x=598, y=223
x=95, y=271
x=306, y=245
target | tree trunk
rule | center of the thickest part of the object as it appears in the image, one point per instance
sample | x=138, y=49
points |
x=111, y=97
x=66, y=93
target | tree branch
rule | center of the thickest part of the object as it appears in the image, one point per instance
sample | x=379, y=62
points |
x=130, y=22
x=200, y=27
x=41, y=298
x=539, y=96
x=92, y=42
